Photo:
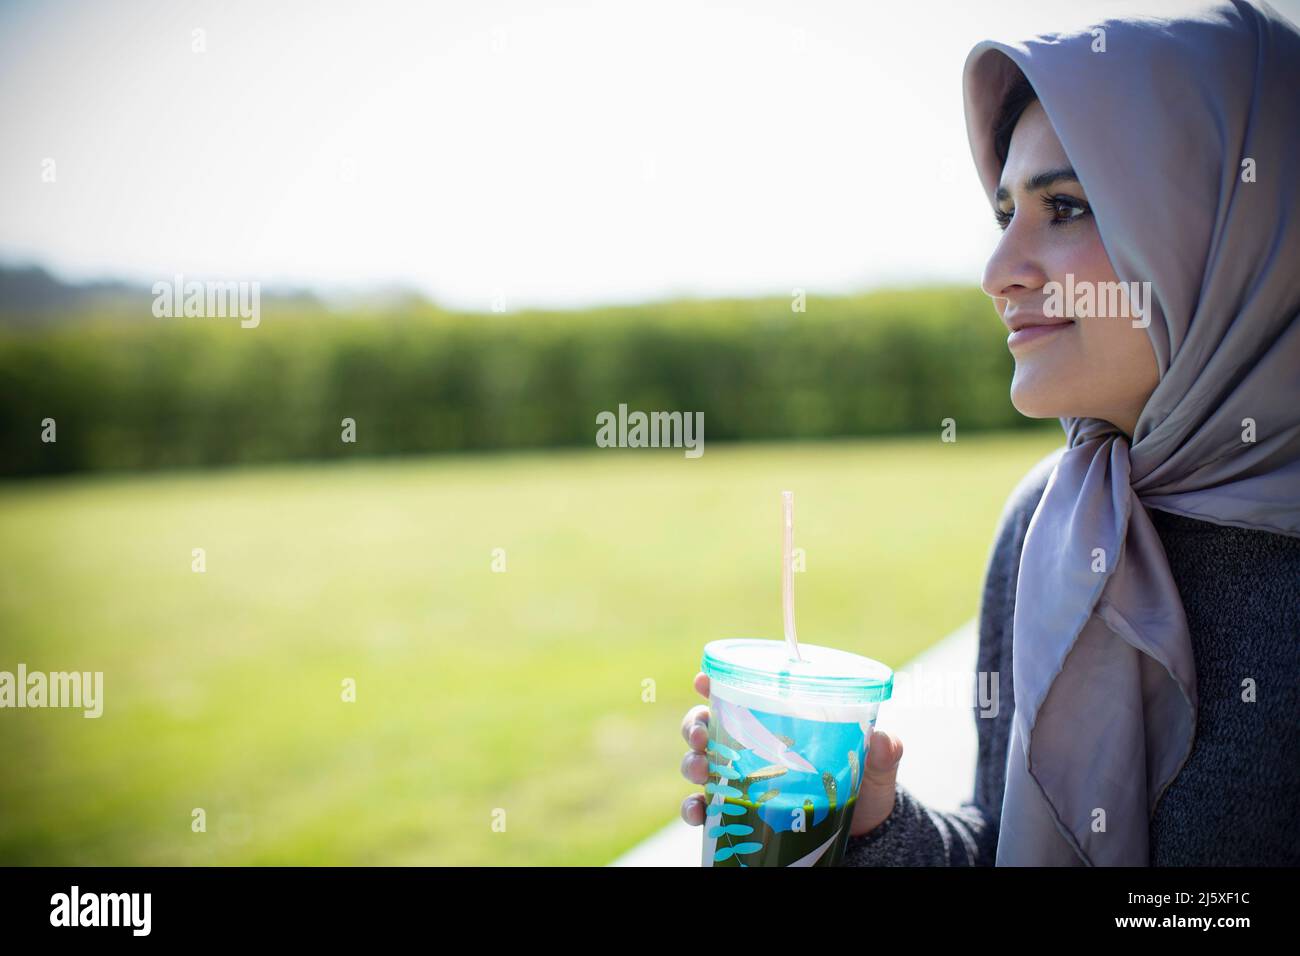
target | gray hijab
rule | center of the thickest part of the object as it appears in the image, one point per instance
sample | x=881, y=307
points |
x=1157, y=127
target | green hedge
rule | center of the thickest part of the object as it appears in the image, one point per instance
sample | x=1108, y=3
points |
x=160, y=393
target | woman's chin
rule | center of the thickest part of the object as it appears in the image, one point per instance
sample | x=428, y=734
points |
x=1037, y=396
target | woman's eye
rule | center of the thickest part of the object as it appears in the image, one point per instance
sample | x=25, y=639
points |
x=1065, y=208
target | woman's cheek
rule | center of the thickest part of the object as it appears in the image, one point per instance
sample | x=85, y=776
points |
x=1121, y=362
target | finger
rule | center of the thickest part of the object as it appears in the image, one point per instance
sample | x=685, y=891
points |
x=884, y=753
x=693, y=809
x=702, y=684
x=896, y=747
x=695, y=767
x=695, y=727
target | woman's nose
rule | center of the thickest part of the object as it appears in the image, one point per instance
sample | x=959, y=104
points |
x=1013, y=266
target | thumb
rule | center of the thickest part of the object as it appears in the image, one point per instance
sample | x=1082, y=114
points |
x=883, y=756
x=876, y=795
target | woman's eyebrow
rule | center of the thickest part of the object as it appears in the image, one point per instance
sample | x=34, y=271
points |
x=1041, y=181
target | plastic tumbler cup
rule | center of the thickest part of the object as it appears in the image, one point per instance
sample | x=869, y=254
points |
x=787, y=744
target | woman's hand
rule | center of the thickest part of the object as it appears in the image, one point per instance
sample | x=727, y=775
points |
x=875, y=798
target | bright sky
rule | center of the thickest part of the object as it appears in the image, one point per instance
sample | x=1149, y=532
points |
x=557, y=154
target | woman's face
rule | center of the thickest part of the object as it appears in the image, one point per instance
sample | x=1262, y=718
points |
x=1098, y=366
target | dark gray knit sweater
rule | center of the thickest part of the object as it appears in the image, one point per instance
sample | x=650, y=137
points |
x=1236, y=801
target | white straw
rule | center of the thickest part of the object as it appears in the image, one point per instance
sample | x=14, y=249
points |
x=787, y=578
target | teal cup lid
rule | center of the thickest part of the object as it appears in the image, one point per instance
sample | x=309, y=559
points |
x=824, y=673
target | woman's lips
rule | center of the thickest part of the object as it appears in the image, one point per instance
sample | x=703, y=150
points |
x=1033, y=333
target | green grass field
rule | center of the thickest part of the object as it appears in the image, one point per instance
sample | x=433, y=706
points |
x=476, y=690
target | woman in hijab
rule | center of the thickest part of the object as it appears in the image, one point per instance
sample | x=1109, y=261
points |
x=1141, y=609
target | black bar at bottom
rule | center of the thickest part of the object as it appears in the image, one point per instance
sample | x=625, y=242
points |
x=330, y=905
